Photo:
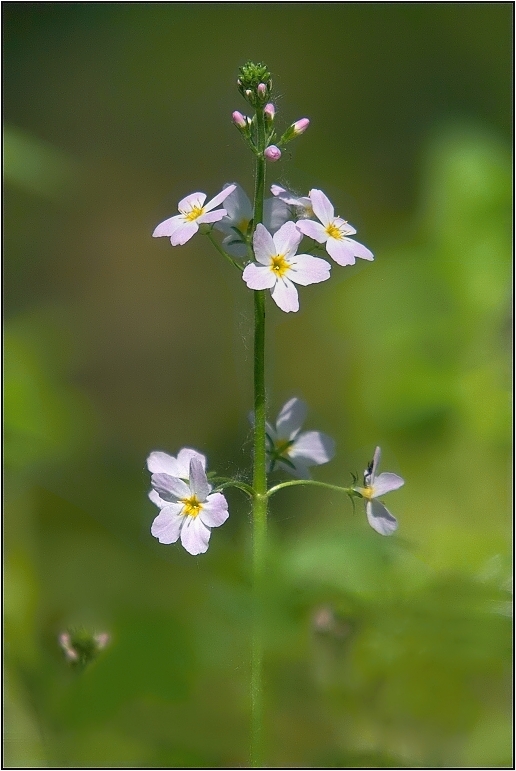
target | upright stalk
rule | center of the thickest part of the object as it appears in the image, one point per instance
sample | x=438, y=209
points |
x=259, y=477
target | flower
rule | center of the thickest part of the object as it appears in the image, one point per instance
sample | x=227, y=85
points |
x=194, y=212
x=333, y=232
x=300, y=126
x=188, y=508
x=272, y=153
x=239, y=214
x=302, y=205
x=293, y=450
x=378, y=516
x=239, y=120
x=278, y=266
x=162, y=463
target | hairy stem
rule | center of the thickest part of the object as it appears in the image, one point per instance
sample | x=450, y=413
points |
x=259, y=478
x=295, y=482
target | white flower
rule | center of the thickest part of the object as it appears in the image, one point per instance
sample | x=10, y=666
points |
x=333, y=231
x=162, y=463
x=378, y=516
x=293, y=450
x=194, y=212
x=278, y=266
x=239, y=214
x=301, y=205
x=188, y=509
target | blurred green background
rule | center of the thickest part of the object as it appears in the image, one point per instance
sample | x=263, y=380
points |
x=380, y=652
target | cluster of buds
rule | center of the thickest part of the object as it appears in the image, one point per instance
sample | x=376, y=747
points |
x=80, y=646
x=254, y=83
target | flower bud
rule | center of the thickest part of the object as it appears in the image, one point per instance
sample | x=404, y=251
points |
x=272, y=153
x=248, y=93
x=81, y=646
x=269, y=111
x=300, y=126
x=261, y=90
x=239, y=120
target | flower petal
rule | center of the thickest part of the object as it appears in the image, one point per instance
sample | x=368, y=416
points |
x=313, y=447
x=359, y=250
x=313, y=230
x=285, y=295
x=163, y=463
x=219, y=198
x=344, y=226
x=215, y=510
x=300, y=470
x=234, y=245
x=340, y=251
x=374, y=465
x=291, y=417
x=322, y=206
x=184, y=233
x=194, y=200
x=169, y=227
x=170, y=488
x=380, y=518
x=258, y=276
x=306, y=270
x=184, y=457
x=287, y=239
x=199, y=484
x=238, y=206
x=275, y=213
x=386, y=482
x=211, y=216
x=195, y=536
x=263, y=245
x=157, y=501
x=167, y=525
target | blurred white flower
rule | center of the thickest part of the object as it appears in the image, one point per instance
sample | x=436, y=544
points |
x=378, y=516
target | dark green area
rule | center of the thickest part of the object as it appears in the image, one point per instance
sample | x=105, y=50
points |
x=380, y=653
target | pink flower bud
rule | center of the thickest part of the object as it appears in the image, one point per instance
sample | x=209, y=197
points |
x=249, y=93
x=262, y=90
x=272, y=153
x=300, y=125
x=239, y=119
x=269, y=111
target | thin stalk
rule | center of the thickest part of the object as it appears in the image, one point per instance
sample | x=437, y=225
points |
x=259, y=478
x=295, y=482
x=223, y=253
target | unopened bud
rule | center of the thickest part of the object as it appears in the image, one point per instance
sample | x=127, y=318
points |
x=269, y=111
x=239, y=120
x=272, y=153
x=261, y=90
x=248, y=93
x=300, y=126
x=66, y=644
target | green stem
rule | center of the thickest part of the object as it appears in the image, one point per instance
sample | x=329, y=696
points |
x=294, y=483
x=223, y=253
x=259, y=478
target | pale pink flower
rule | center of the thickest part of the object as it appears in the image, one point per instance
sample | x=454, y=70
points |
x=272, y=153
x=333, y=232
x=278, y=266
x=378, y=516
x=194, y=212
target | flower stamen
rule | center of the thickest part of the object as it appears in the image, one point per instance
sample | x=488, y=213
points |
x=279, y=265
x=192, y=506
x=334, y=231
x=194, y=213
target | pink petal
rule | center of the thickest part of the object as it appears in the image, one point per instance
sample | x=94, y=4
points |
x=340, y=251
x=313, y=230
x=287, y=239
x=167, y=525
x=211, y=216
x=285, y=295
x=163, y=463
x=215, y=510
x=184, y=233
x=184, y=457
x=258, y=277
x=195, y=536
x=380, y=518
x=313, y=447
x=386, y=482
x=170, y=488
x=220, y=197
x=344, y=226
x=263, y=245
x=309, y=270
x=359, y=250
x=291, y=417
x=323, y=208
x=168, y=227
x=198, y=482
x=157, y=501
x=194, y=200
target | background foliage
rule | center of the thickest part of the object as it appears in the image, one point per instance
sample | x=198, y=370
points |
x=381, y=652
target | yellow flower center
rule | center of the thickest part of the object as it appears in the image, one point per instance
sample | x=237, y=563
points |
x=192, y=506
x=282, y=446
x=279, y=265
x=334, y=232
x=366, y=492
x=242, y=226
x=194, y=212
